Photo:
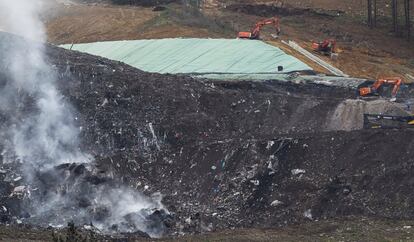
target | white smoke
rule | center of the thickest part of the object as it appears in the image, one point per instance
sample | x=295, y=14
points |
x=22, y=17
x=49, y=137
x=41, y=133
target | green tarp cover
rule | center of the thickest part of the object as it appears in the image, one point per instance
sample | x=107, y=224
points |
x=197, y=56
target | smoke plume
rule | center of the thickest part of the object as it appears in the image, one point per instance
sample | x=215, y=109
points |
x=48, y=136
x=39, y=130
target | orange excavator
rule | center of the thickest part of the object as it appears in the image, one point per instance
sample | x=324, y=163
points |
x=327, y=47
x=255, y=33
x=373, y=90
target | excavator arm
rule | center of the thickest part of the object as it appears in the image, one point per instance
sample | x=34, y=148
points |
x=255, y=33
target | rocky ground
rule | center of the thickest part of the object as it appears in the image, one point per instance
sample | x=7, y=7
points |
x=225, y=155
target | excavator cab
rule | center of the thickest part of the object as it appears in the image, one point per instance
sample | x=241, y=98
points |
x=367, y=91
x=327, y=47
x=245, y=35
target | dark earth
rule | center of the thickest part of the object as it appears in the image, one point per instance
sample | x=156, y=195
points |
x=227, y=155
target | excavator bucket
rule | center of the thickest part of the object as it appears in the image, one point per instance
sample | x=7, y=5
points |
x=244, y=35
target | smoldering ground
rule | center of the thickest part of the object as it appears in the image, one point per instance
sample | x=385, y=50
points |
x=40, y=138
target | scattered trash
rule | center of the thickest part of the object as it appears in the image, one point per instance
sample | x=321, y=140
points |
x=276, y=203
x=297, y=172
x=17, y=179
x=270, y=144
x=188, y=220
x=308, y=214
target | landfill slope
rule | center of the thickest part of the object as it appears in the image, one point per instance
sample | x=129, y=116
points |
x=238, y=154
x=231, y=154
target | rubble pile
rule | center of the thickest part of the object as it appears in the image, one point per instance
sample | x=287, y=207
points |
x=222, y=154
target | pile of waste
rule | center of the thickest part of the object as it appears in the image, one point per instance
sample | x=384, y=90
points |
x=210, y=154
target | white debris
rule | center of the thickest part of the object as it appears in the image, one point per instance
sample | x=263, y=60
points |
x=57, y=226
x=17, y=179
x=276, y=203
x=105, y=101
x=4, y=208
x=146, y=187
x=297, y=172
x=19, y=189
x=270, y=167
x=188, y=220
x=213, y=167
x=151, y=128
x=18, y=221
x=308, y=214
x=255, y=182
x=87, y=227
x=270, y=144
x=407, y=227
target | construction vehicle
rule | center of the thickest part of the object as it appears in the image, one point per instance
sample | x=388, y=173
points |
x=380, y=121
x=373, y=90
x=326, y=47
x=255, y=33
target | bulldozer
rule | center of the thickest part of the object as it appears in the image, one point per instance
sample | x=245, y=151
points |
x=381, y=121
